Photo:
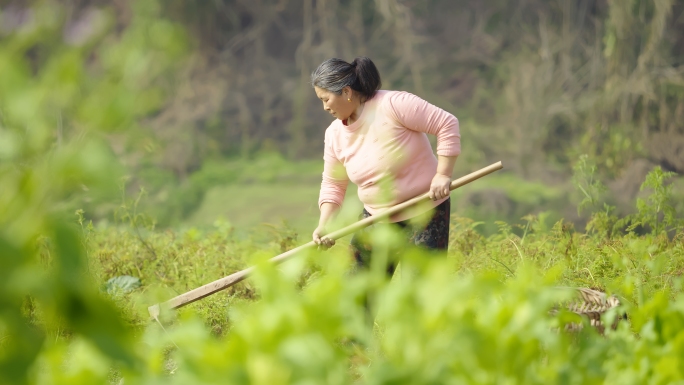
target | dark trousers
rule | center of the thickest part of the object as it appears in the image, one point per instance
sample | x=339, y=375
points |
x=433, y=236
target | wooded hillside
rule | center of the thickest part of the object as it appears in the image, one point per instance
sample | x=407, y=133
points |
x=535, y=83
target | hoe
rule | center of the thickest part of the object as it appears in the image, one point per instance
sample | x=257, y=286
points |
x=225, y=282
x=589, y=303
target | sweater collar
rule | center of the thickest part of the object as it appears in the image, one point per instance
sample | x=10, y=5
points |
x=358, y=122
x=368, y=110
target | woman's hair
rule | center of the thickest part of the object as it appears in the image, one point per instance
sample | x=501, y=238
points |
x=335, y=74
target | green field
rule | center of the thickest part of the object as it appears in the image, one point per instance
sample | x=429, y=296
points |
x=481, y=315
x=249, y=205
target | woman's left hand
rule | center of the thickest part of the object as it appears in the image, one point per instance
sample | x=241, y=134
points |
x=439, y=188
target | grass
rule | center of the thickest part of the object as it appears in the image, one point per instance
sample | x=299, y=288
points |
x=181, y=261
x=305, y=319
x=292, y=199
x=211, y=247
x=249, y=206
x=479, y=313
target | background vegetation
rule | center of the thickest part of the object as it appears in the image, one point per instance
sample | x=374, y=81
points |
x=534, y=83
x=141, y=142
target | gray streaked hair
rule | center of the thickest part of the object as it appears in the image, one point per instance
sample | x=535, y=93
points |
x=360, y=75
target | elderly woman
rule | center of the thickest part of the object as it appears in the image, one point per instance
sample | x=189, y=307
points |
x=378, y=141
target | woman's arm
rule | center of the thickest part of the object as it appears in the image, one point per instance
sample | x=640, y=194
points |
x=328, y=212
x=333, y=188
x=416, y=114
x=445, y=165
x=439, y=187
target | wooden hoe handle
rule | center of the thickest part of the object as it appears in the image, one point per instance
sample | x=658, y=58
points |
x=220, y=284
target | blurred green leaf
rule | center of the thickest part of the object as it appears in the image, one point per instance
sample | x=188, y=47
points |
x=122, y=283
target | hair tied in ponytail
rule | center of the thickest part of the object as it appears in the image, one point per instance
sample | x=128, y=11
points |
x=360, y=75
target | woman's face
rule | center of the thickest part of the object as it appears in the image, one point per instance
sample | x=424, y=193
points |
x=337, y=105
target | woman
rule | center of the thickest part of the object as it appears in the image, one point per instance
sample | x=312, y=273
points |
x=379, y=142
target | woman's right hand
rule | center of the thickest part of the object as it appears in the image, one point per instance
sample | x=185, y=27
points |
x=321, y=240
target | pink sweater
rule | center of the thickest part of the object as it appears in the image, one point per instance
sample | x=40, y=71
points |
x=386, y=152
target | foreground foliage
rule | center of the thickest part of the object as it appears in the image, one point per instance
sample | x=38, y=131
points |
x=478, y=316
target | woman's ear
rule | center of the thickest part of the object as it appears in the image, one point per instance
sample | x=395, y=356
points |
x=347, y=92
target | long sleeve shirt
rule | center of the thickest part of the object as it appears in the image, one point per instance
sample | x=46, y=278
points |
x=386, y=151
